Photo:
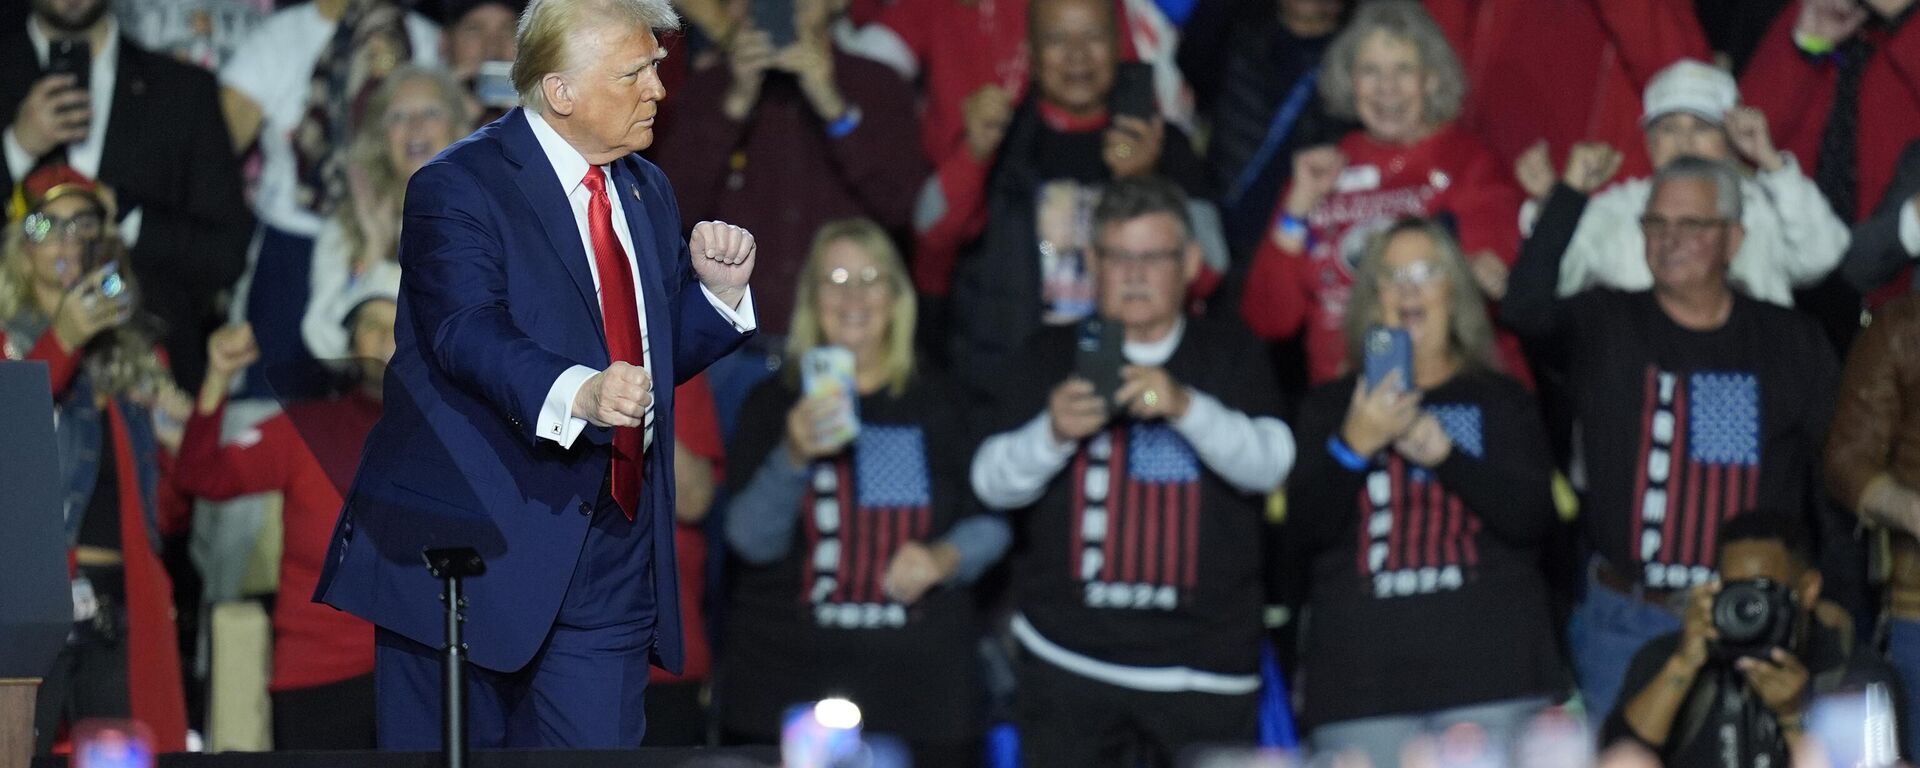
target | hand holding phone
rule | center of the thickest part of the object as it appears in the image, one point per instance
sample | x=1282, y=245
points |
x=1384, y=404
x=55, y=113
x=827, y=375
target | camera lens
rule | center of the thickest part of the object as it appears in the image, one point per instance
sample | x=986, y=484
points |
x=1742, y=613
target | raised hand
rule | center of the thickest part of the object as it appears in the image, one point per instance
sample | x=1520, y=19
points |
x=722, y=258
x=1747, y=128
x=54, y=114
x=1314, y=173
x=1534, y=170
x=1589, y=165
x=986, y=113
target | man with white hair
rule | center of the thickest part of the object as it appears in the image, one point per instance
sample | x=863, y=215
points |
x=545, y=290
x=1693, y=402
x=1793, y=239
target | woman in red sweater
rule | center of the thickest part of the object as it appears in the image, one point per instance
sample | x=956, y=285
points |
x=1393, y=71
x=322, y=679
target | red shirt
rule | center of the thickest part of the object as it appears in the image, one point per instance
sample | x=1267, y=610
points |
x=1450, y=171
x=308, y=454
x=1565, y=70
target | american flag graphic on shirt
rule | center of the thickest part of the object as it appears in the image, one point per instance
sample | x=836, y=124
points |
x=1416, y=537
x=861, y=507
x=1699, y=465
x=1136, y=522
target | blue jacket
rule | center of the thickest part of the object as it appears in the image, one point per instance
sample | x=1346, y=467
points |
x=496, y=301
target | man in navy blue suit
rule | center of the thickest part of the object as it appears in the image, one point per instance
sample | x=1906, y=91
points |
x=545, y=290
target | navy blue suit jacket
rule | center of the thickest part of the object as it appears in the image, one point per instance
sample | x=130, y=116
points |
x=496, y=301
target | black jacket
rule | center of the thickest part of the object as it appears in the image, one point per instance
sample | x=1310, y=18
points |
x=168, y=154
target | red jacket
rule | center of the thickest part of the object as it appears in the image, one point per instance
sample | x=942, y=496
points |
x=156, y=694
x=1292, y=293
x=1796, y=92
x=308, y=454
x=1565, y=70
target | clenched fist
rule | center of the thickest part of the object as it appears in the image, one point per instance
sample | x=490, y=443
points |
x=616, y=397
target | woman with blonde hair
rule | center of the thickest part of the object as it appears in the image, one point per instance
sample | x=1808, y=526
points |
x=415, y=113
x=1420, y=501
x=68, y=300
x=851, y=517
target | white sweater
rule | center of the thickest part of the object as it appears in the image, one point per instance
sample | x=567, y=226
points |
x=1793, y=238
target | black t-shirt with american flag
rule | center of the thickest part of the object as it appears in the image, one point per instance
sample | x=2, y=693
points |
x=1137, y=554
x=1681, y=430
x=1425, y=591
x=817, y=622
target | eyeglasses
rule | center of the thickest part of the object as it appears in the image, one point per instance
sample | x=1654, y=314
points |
x=842, y=281
x=1415, y=275
x=1116, y=258
x=40, y=227
x=1657, y=228
x=395, y=118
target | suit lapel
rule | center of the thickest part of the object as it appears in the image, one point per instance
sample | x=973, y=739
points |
x=549, y=202
x=635, y=203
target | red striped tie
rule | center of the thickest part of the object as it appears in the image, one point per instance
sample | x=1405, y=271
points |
x=620, y=313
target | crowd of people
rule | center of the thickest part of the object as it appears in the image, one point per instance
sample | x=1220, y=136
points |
x=1465, y=356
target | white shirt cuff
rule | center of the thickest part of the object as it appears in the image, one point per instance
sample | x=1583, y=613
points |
x=18, y=161
x=557, y=422
x=1909, y=228
x=742, y=318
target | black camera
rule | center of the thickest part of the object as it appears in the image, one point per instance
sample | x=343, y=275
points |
x=1753, y=616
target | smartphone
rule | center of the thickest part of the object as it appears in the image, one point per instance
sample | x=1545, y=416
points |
x=1097, y=355
x=774, y=17
x=493, y=85
x=70, y=57
x=1132, y=93
x=1389, y=351
x=112, y=744
x=829, y=371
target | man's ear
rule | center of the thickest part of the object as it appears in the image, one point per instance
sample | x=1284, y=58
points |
x=1192, y=257
x=1736, y=235
x=559, y=93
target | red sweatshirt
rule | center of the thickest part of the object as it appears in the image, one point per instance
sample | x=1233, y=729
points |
x=1565, y=70
x=308, y=454
x=1450, y=172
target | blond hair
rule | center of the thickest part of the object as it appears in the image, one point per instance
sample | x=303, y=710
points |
x=122, y=359
x=1469, y=331
x=804, y=332
x=1406, y=21
x=547, y=27
x=368, y=151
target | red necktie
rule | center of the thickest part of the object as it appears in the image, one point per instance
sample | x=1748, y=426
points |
x=620, y=313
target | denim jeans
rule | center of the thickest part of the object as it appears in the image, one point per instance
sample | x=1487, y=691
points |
x=1606, y=630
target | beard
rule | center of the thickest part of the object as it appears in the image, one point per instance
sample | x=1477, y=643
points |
x=72, y=22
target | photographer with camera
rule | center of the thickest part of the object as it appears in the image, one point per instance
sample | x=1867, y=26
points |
x=1731, y=688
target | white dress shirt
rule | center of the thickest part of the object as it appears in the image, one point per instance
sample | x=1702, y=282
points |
x=557, y=422
x=83, y=155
